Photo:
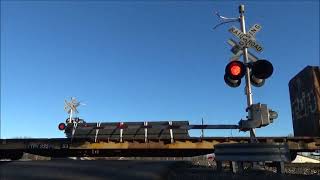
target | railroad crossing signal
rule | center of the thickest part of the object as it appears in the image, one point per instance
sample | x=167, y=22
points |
x=259, y=70
x=254, y=70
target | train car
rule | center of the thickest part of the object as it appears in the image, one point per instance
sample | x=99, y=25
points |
x=305, y=102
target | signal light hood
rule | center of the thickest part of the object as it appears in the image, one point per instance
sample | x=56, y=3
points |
x=231, y=82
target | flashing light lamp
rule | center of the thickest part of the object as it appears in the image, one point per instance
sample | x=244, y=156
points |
x=234, y=71
x=62, y=126
x=260, y=70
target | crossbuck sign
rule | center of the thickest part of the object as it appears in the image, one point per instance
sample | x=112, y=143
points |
x=248, y=40
x=237, y=51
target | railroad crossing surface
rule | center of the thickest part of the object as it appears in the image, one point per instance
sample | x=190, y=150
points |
x=142, y=169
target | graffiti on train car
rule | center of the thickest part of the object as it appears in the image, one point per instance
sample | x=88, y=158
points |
x=305, y=93
x=304, y=103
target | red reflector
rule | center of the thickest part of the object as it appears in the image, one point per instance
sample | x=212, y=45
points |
x=121, y=126
x=62, y=126
x=235, y=69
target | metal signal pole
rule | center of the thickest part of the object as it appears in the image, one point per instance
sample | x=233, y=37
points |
x=247, y=75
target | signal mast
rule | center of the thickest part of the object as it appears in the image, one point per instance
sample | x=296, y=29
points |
x=255, y=71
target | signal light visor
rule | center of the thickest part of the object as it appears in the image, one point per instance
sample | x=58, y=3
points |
x=231, y=82
x=257, y=82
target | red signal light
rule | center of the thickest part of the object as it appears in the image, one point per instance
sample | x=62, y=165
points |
x=235, y=70
x=62, y=126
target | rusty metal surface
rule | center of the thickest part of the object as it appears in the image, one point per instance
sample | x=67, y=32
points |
x=305, y=102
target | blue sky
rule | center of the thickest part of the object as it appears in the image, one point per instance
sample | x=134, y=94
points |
x=139, y=60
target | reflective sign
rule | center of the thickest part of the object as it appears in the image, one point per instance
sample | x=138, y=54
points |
x=247, y=40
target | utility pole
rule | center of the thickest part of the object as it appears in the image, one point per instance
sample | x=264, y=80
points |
x=247, y=75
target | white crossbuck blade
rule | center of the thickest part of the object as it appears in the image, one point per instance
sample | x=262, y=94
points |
x=72, y=105
x=236, y=50
x=248, y=40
